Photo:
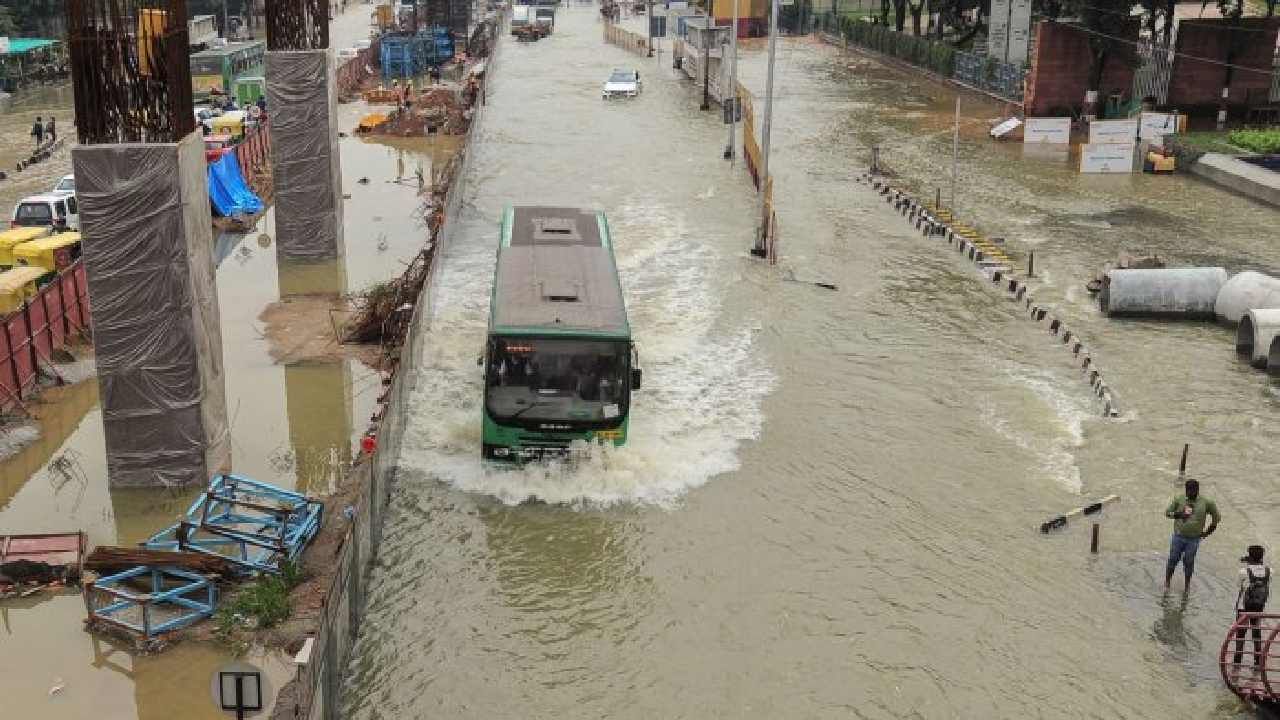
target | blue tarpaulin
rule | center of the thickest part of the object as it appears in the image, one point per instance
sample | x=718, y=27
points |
x=227, y=191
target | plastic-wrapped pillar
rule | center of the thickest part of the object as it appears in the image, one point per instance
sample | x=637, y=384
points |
x=307, y=177
x=1256, y=334
x=1177, y=292
x=1246, y=291
x=148, y=238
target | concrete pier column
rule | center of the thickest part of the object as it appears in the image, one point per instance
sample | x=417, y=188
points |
x=144, y=213
x=307, y=175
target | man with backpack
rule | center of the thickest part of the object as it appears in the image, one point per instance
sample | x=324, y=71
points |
x=1255, y=586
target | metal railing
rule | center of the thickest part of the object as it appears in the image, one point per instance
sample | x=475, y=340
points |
x=46, y=322
x=1250, y=657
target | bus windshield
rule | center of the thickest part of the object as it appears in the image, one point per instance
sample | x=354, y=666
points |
x=545, y=379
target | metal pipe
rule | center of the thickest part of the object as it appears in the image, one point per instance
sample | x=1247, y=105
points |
x=729, y=150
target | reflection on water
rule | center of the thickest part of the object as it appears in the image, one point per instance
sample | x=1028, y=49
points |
x=325, y=277
x=318, y=396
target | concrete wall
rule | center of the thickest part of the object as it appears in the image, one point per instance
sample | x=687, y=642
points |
x=1197, y=82
x=1060, y=70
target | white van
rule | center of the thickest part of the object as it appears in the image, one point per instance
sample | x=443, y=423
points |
x=61, y=212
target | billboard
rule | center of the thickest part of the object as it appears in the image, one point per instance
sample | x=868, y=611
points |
x=1113, y=131
x=1106, y=158
x=1047, y=130
x=1155, y=125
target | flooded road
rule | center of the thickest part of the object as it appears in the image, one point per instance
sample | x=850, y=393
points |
x=293, y=423
x=828, y=504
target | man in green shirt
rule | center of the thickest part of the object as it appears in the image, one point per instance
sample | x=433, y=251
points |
x=1188, y=512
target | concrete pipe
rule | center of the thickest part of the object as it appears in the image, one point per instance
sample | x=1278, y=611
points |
x=1178, y=292
x=1256, y=334
x=1246, y=291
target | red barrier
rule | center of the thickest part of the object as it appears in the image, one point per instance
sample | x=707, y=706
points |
x=47, y=322
x=254, y=151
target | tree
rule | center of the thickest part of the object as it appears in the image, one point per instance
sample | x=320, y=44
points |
x=916, y=9
x=1108, y=24
x=8, y=26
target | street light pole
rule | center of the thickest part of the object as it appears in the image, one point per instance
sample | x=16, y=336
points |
x=706, y=66
x=759, y=250
x=733, y=86
x=955, y=155
x=650, y=19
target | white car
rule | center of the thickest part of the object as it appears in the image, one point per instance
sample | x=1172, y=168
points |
x=348, y=53
x=65, y=186
x=57, y=211
x=622, y=83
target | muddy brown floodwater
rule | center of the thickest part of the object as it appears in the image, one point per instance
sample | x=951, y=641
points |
x=292, y=423
x=829, y=503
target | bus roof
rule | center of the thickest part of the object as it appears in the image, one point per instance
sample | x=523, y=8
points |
x=230, y=48
x=556, y=275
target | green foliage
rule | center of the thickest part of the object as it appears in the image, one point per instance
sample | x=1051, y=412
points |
x=936, y=56
x=260, y=604
x=8, y=25
x=1259, y=141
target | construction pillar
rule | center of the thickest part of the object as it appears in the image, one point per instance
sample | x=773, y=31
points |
x=144, y=211
x=306, y=171
x=302, y=105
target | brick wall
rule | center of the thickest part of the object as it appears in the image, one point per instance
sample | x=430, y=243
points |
x=1060, y=70
x=1197, y=82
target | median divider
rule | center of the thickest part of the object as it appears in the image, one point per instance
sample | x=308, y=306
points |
x=991, y=258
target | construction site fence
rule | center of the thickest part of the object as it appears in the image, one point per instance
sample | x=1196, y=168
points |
x=352, y=73
x=319, y=682
x=254, y=154
x=625, y=39
x=972, y=69
x=48, y=321
x=751, y=155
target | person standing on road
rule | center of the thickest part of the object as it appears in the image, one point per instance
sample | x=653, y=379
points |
x=1255, y=586
x=1188, y=512
x=37, y=130
x=51, y=129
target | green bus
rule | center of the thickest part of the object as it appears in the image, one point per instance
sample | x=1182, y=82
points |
x=559, y=363
x=222, y=67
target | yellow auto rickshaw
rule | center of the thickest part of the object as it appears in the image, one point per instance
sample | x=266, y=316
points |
x=18, y=285
x=9, y=239
x=52, y=254
x=229, y=123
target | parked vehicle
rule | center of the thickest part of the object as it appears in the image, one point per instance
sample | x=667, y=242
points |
x=521, y=15
x=347, y=54
x=59, y=212
x=546, y=18
x=13, y=237
x=51, y=254
x=622, y=83
x=18, y=285
x=65, y=186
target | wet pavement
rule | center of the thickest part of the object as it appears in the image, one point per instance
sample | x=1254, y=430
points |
x=829, y=502
x=294, y=425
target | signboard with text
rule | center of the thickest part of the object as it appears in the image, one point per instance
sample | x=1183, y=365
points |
x=1106, y=158
x=1047, y=130
x=1118, y=132
x=1155, y=125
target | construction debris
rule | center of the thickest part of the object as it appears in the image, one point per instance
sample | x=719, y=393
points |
x=177, y=598
x=254, y=525
x=109, y=559
x=30, y=563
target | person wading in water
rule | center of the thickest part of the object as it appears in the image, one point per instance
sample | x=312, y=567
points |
x=1188, y=512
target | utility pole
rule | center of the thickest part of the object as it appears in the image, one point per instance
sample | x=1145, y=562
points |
x=733, y=86
x=650, y=19
x=706, y=66
x=226, y=27
x=955, y=155
x=760, y=250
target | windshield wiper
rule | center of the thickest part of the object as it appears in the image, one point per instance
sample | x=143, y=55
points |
x=524, y=410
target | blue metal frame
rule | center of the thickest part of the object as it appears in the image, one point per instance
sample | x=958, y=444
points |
x=254, y=525
x=196, y=609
